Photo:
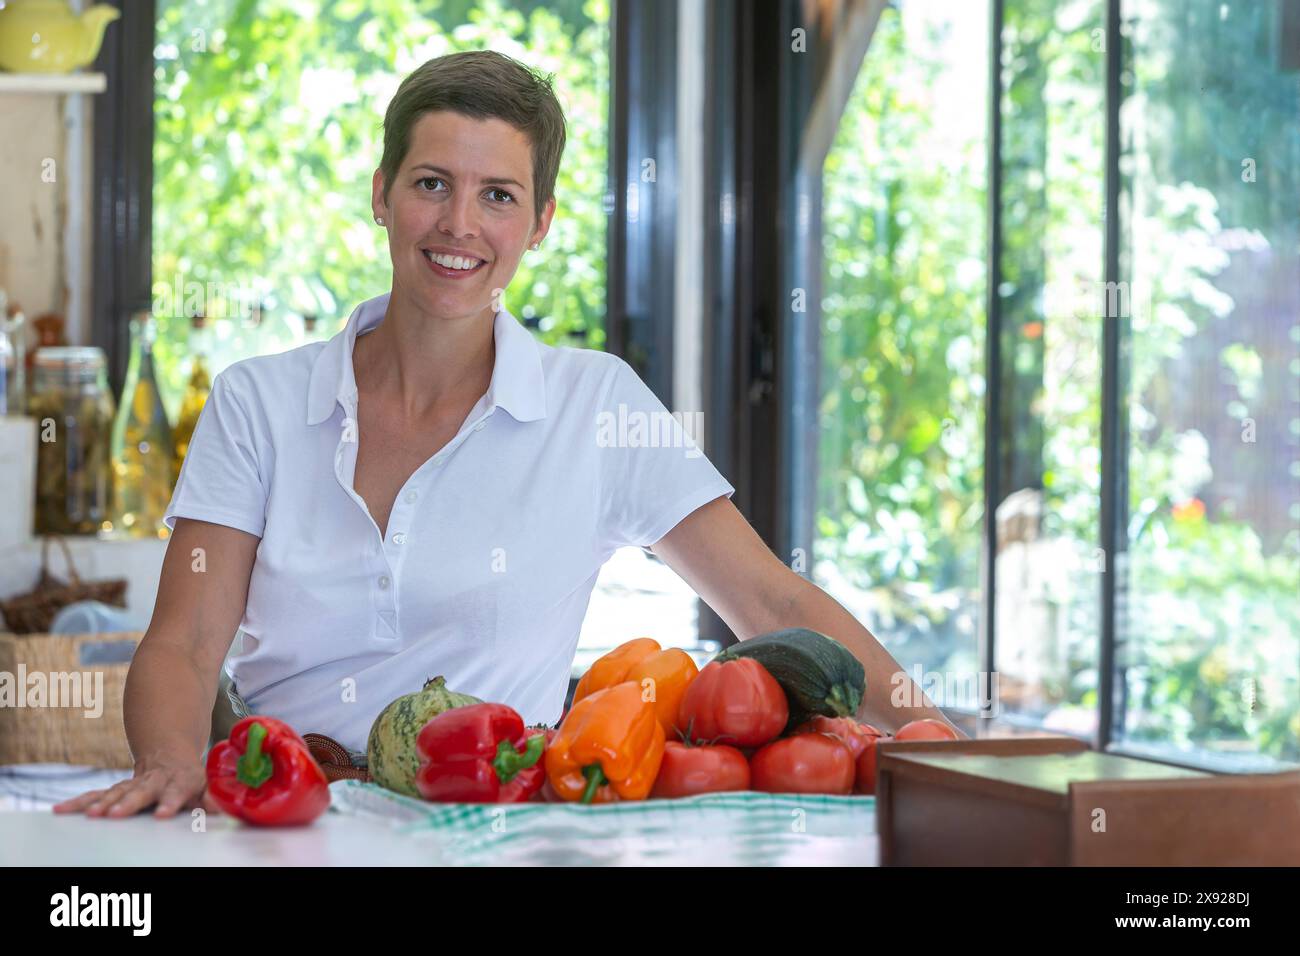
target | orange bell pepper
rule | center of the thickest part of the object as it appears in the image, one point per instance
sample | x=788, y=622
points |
x=612, y=668
x=608, y=748
x=664, y=677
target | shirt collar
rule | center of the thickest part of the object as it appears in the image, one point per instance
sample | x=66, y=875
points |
x=517, y=384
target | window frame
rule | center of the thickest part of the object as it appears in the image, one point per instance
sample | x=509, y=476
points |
x=640, y=269
x=757, y=381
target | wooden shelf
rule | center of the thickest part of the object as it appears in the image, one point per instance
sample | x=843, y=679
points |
x=52, y=82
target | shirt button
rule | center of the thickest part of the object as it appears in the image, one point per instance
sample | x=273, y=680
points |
x=439, y=460
x=411, y=496
x=384, y=582
x=399, y=538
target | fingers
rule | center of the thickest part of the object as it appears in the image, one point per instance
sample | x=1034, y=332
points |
x=127, y=797
x=169, y=789
x=175, y=794
x=106, y=798
x=79, y=803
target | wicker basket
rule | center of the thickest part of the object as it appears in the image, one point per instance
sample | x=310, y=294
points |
x=32, y=730
x=33, y=612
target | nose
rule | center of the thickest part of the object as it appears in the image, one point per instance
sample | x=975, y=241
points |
x=459, y=216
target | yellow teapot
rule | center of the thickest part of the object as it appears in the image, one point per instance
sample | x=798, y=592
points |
x=45, y=36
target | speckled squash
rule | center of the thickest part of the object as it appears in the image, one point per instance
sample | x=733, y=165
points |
x=390, y=751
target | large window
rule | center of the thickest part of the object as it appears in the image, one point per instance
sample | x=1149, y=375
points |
x=1146, y=286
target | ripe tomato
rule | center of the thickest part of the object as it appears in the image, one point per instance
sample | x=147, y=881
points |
x=927, y=729
x=804, y=763
x=686, y=770
x=734, y=702
x=854, y=735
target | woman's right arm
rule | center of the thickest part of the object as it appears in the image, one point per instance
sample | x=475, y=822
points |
x=172, y=683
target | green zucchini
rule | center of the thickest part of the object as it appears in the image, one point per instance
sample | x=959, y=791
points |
x=818, y=674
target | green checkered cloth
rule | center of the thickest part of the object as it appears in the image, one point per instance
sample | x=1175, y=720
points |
x=716, y=829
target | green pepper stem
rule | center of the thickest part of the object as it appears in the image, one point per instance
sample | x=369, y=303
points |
x=509, y=761
x=595, y=779
x=255, y=767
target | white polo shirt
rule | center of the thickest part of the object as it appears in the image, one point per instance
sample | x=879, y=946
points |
x=492, y=548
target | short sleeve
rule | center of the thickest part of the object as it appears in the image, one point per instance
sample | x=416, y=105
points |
x=653, y=472
x=222, y=479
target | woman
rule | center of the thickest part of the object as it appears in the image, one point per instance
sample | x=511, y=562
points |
x=429, y=492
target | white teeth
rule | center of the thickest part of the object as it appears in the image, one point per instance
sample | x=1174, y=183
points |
x=452, y=262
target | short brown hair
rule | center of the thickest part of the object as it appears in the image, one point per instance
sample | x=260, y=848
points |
x=481, y=84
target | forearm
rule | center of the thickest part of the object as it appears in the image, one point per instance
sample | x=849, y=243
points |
x=167, y=706
x=892, y=698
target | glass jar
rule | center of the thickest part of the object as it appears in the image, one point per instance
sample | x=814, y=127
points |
x=74, y=410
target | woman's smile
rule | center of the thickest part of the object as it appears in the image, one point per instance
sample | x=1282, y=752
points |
x=452, y=266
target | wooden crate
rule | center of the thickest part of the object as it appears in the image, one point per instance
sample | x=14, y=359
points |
x=1052, y=801
x=65, y=734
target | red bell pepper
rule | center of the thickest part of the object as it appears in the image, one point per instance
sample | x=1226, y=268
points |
x=480, y=753
x=265, y=775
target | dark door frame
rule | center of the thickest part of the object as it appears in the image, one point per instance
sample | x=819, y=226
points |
x=642, y=194
x=123, y=182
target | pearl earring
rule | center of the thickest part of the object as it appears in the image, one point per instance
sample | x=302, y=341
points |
x=379, y=220
x=534, y=246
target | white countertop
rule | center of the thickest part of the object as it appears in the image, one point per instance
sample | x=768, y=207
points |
x=44, y=838
x=368, y=827
x=40, y=838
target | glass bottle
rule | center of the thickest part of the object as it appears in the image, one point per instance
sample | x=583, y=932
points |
x=196, y=392
x=73, y=408
x=142, y=443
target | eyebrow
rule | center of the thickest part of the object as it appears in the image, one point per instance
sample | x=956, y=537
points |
x=491, y=180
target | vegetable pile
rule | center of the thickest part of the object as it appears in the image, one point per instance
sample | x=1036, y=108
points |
x=774, y=714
